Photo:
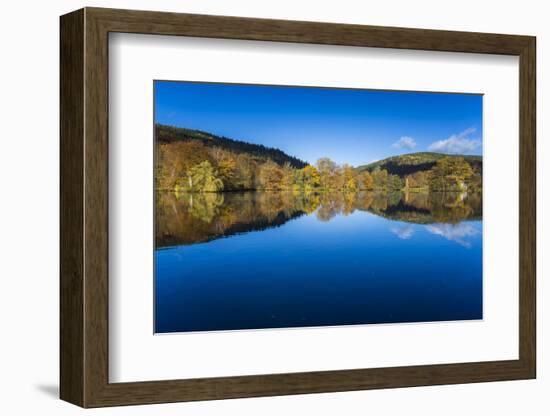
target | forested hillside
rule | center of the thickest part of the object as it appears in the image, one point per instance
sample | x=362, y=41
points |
x=415, y=162
x=169, y=134
x=196, y=161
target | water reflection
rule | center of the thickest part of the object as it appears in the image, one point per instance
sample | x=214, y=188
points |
x=459, y=233
x=189, y=218
x=404, y=232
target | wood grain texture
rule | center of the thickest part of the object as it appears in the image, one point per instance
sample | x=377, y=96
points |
x=528, y=207
x=96, y=208
x=84, y=204
x=162, y=23
x=71, y=213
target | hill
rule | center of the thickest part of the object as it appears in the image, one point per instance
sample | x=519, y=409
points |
x=414, y=162
x=170, y=134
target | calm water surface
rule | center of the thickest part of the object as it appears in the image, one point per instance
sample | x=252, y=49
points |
x=272, y=260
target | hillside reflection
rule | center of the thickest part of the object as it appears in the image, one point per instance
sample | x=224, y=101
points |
x=190, y=218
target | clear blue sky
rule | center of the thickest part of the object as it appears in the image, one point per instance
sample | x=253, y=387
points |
x=348, y=125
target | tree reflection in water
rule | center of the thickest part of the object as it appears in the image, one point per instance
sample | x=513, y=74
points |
x=189, y=218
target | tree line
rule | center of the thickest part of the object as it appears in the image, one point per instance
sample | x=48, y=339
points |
x=191, y=166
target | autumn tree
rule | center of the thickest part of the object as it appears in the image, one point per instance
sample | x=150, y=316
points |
x=450, y=174
x=311, y=178
x=201, y=178
x=365, y=181
x=245, y=172
x=287, y=179
x=349, y=179
x=330, y=174
x=395, y=183
x=417, y=180
x=175, y=159
x=226, y=165
x=380, y=179
x=271, y=175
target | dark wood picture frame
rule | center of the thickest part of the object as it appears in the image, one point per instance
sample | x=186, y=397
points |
x=84, y=207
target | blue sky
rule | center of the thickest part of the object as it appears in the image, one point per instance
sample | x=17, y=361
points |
x=348, y=125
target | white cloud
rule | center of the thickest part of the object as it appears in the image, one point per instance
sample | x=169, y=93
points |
x=459, y=233
x=404, y=142
x=457, y=143
x=404, y=233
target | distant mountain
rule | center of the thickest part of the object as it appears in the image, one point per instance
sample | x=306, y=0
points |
x=414, y=162
x=170, y=134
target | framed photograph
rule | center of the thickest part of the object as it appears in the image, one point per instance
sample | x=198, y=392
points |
x=257, y=207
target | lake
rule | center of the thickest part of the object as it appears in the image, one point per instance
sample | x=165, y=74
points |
x=252, y=260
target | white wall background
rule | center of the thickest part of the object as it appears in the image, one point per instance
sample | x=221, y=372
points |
x=29, y=210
